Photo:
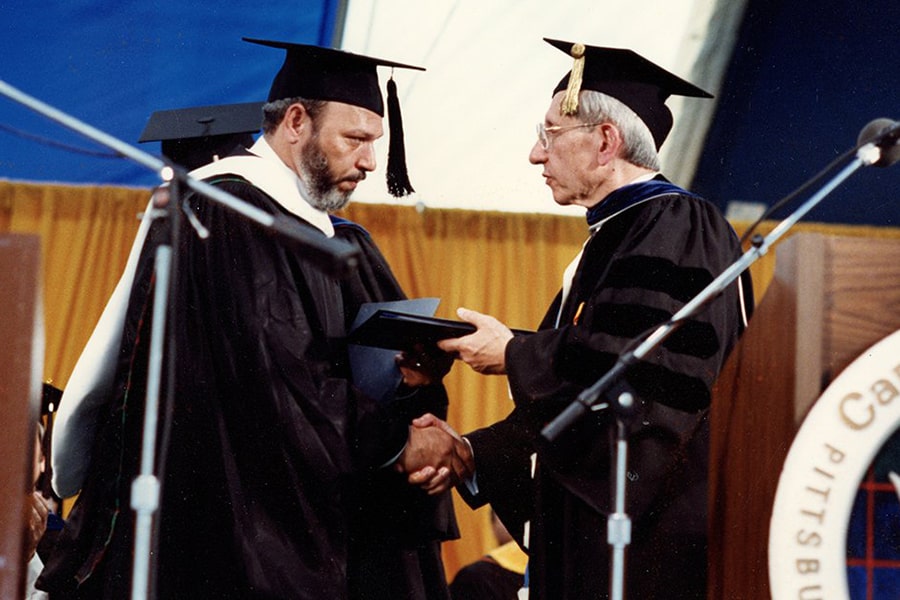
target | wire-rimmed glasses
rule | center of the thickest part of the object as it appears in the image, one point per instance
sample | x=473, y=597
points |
x=545, y=133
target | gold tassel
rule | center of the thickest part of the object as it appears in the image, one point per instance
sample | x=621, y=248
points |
x=569, y=104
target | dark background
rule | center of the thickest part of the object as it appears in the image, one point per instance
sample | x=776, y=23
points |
x=806, y=77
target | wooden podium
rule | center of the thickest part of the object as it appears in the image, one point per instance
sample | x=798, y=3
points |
x=830, y=299
x=21, y=365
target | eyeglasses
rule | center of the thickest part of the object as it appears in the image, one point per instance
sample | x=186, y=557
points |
x=544, y=133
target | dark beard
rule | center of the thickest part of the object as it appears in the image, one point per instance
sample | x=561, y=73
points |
x=323, y=192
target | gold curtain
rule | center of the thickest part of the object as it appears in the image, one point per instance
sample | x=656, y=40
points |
x=86, y=234
x=505, y=264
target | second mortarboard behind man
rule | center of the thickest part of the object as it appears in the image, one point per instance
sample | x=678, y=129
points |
x=317, y=73
x=195, y=136
x=626, y=76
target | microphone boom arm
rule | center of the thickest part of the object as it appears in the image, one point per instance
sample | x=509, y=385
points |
x=332, y=255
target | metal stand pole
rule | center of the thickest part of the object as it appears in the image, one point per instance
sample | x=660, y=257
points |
x=618, y=527
x=145, y=488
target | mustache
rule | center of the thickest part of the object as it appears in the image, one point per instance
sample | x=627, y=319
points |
x=359, y=176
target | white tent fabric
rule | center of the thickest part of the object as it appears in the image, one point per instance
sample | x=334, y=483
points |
x=470, y=119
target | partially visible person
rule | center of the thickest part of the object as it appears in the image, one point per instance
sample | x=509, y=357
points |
x=498, y=575
x=271, y=451
x=652, y=247
x=198, y=135
x=189, y=137
x=43, y=521
x=37, y=514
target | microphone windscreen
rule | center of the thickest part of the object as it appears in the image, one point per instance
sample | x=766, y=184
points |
x=884, y=133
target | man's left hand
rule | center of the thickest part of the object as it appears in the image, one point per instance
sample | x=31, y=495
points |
x=422, y=366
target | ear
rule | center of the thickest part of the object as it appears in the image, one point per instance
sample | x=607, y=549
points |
x=296, y=122
x=610, y=143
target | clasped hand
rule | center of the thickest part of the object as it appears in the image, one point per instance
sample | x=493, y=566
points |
x=436, y=458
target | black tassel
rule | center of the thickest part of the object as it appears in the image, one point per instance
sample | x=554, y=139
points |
x=397, y=177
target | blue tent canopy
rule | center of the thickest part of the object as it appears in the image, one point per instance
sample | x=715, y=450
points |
x=112, y=64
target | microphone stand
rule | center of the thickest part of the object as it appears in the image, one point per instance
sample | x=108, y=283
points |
x=331, y=255
x=619, y=525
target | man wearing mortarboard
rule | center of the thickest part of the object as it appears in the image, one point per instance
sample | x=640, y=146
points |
x=275, y=469
x=652, y=247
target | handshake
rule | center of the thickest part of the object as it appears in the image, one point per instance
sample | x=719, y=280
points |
x=436, y=458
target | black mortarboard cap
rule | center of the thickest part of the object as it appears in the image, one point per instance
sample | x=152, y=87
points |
x=319, y=73
x=626, y=76
x=193, y=137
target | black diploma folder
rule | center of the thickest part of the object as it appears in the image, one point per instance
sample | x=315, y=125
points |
x=374, y=369
x=403, y=331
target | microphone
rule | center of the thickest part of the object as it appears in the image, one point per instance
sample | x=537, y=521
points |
x=884, y=133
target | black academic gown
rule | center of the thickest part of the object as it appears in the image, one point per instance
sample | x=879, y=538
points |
x=268, y=437
x=657, y=249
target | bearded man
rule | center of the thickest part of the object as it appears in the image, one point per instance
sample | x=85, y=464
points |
x=276, y=472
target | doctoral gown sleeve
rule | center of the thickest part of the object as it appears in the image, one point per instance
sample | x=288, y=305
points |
x=503, y=471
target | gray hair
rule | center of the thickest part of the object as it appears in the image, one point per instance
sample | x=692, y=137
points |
x=274, y=111
x=640, y=149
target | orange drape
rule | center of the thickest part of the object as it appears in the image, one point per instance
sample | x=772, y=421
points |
x=505, y=264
